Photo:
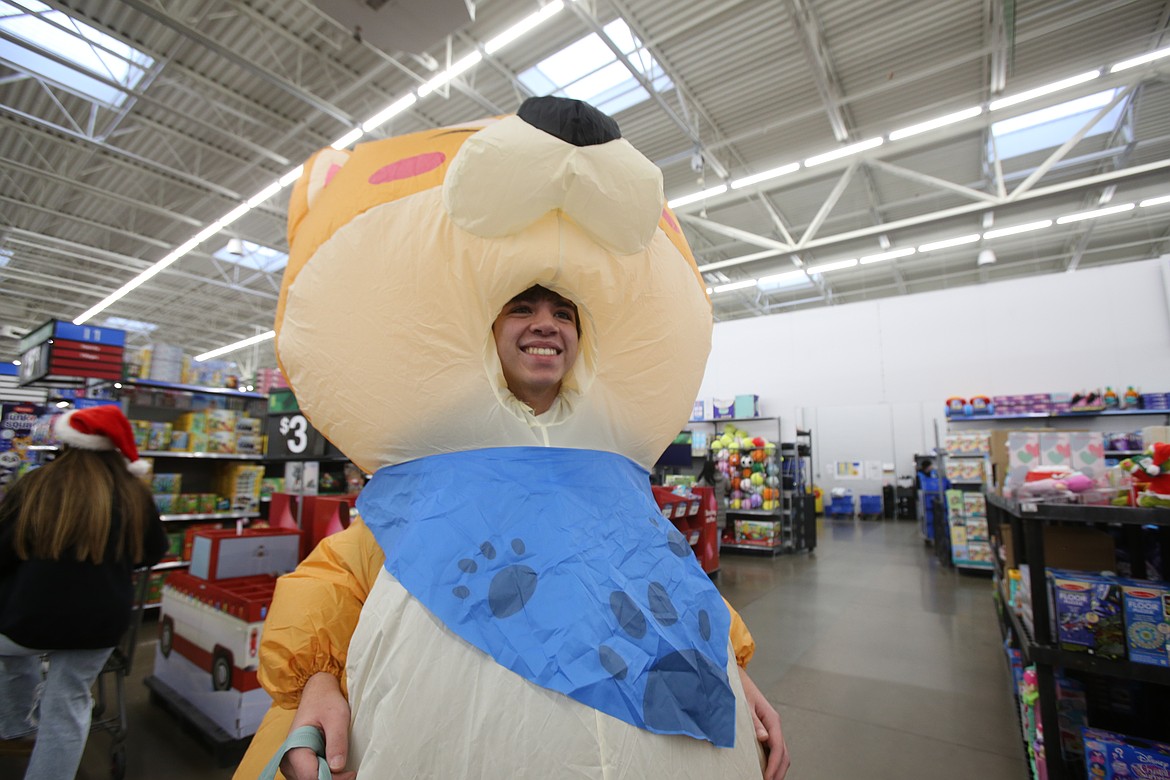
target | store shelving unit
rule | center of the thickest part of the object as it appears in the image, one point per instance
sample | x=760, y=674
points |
x=986, y=418
x=1025, y=522
x=155, y=401
x=797, y=513
x=966, y=524
x=797, y=499
x=759, y=515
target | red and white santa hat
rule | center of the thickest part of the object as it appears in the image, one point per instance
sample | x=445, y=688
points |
x=100, y=428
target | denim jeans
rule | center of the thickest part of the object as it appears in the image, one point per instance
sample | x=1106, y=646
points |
x=54, y=702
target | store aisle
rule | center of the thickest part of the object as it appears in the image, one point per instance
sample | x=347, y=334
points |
x=883, y=665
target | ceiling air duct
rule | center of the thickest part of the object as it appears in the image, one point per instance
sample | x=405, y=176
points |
x=400, y=25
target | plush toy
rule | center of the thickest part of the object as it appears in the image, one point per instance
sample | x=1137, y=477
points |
x=1151, y=475
x=1053, y=483
x=566, y=629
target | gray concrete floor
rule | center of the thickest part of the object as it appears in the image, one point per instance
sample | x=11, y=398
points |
x=883, y=666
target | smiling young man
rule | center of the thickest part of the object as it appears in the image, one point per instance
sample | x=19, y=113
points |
x=537, y=335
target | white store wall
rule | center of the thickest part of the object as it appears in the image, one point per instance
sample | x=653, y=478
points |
x=871, y=378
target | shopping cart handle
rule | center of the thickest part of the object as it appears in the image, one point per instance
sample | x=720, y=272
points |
x=306, y=736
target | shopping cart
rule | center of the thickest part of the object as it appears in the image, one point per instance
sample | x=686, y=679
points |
x=116, y=669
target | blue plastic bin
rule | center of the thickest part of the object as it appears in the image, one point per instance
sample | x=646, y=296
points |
x=871, y=505
x=840, y=505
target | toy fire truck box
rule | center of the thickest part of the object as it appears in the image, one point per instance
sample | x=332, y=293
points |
x=209, y=647
x=226, y=554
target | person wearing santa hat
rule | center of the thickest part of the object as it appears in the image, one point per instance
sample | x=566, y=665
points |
x=71, y=533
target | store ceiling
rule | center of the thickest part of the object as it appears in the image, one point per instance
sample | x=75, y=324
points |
x=239, y=93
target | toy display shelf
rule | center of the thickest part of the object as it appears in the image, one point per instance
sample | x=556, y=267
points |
x=197, y=455
x=757, y=547
x=151, y=383
x=1025, y=521
x=757, y=514
x=211, y=516
x=985, y=418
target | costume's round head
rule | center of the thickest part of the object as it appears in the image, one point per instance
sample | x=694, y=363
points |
x=403, y=252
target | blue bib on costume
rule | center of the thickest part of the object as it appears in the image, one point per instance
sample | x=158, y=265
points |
x=558, y=564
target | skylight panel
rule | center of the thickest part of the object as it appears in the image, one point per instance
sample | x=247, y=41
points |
x=588, y=70
x=1052, y=126
x=104, y=56
x=250, y=255
x=133, y=326
x=598, y=82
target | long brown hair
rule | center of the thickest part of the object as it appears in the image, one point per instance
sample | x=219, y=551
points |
x=66, y=506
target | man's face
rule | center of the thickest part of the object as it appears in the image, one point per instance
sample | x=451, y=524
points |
x=536, y=339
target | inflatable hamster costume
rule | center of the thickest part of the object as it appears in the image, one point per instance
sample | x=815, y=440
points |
x=535, y=615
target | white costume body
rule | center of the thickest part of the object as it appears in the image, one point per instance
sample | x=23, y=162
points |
x=426, y=704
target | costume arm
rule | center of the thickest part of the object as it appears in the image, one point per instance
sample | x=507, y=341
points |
x=314, y=613
x=741, y=638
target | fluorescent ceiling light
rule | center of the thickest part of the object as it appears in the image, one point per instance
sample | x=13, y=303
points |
x=1067, y=218
x=741, y=284
x=291, y=176
x=844, y=151
x=696, y=196
x=1142, y=60
x=264, y=194
x=457, y=67
x=786, y=279
x=1047, y=89
x=835, y=266
x=237, y=345
x=942, y=121
x=759, y=177
x=947, y=243
x=232, y=215
x=254, y=256
x=118, y=294
x=526, y=24
x=1011, y=231
x=741, y=259
x=1154, y=201
x=347, y=139
x=153, y=271
x=390, y=111
x=891, y=255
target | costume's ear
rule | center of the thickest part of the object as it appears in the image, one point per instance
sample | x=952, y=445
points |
x=322, y=168
x=319, y=171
